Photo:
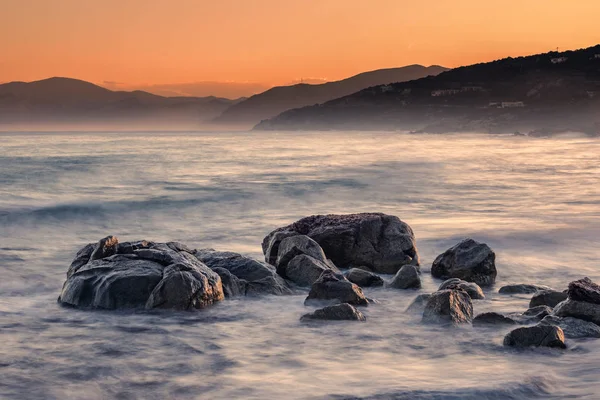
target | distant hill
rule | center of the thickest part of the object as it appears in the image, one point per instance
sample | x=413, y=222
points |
x=543, y=93
x=65, y=102
x=278, y=99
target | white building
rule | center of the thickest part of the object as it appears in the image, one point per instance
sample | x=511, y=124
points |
x=444, y=92
x=558, y=60
x=512, y=104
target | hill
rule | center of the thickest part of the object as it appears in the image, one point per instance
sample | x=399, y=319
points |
x=542, y=93
x=279, y=99
x=72, y=102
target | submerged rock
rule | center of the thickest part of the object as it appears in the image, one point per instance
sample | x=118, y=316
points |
x=584, y=290
x=548, y=298
x=469, y=260
x=139, y=274
x=418, y=304
x=471, y=288
x=406, y=278
x=522, y=288
x=573, y=328
x=335, y=287
x=493, y=318
x=336, y=312
x=380, y=242
x=364, y=278
x=448, y=307
x=537, y=335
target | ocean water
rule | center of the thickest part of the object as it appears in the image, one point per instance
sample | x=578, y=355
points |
x=536, y=202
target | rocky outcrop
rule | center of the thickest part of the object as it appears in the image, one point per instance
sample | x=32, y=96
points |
x=573, y=328
x=584, y=290
x=334, y=287
x=418, y=304
x=252, y=277
x=469, y=260
x=493, y=318
x=548, y=298
x=380, y=242
x=139, y=275
x=406, y=278
x=364, y=278
x=471, y=288
x=337, y=312
x=522, y=288
x=582, y=302
x=537, y=336
x=448, y=307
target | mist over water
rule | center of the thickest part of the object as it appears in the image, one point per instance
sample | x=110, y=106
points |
x=536, y=202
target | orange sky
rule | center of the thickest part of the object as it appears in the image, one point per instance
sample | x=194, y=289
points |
x=141, y=42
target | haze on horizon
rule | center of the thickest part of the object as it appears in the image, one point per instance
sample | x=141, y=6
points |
x=235, y=48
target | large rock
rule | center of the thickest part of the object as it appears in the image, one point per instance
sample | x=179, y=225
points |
x=469, y=260
x=406, y=278
x=364, y=278
x=448, y=307
x=382, y=243
x=252, y=277
x=522, y=288
x=471, y=288
x=293, y=246
x=573, y=328
x=232, y=285
x=418, y=304
x=584, y=290
x=578, y=309
x=333, y=287
x=537, y=335
x=304, y=270
x=548, y=298
x=337, y=312
x=139, y=274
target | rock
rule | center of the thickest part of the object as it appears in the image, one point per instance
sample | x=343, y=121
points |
x=336, y=312
x=335, y=287
x=471, y=288
x=82, y=258
x=493, y=318
x=258, y=276
x=584, y=290
x=293, y=246
x=418, y=304
x=406, y=278
x=573, y=328
x=232, y=285
x=578, y=309
x=271, y=243
x=522, y=288
x=304, y=270
x=538, y=312
x=364, y=278
x=382, y=243
x=548, y=298
x=448, y=307
x=151, y=277
x=469, y=260
x=537, y=335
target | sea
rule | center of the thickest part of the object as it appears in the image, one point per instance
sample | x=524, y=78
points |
x=534, y=201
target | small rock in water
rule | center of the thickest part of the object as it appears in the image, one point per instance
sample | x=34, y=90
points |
x=418, y=304
x=493, y=318
x=364, y=278
x=584, y=290
x=337, y=312
x=537, y=336
x=471, y=288
x=469, y=260
x=548, y=298
x=522, y=288
x=448, y=307
x=578, y=309
x=573, y=328
x=332, y=286
x=406, y=278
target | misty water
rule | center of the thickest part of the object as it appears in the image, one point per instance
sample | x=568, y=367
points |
x=536, y=202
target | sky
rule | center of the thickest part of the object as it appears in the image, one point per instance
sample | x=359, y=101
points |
x=247, y=45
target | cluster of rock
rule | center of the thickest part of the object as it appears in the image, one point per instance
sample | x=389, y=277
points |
x=311, y=253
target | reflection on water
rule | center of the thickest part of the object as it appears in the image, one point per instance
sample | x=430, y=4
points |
x=535, y=201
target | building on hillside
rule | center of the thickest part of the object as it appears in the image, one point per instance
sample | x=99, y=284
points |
x=471, y=89
x=512, y=104
x=444, y=92
x=558, y=60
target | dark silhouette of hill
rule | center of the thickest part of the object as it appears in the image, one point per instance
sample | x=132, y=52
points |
x=542, y=93
x=71, y=101
x=278, y=99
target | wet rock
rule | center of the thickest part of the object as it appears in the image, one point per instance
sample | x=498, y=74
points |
x=140, y=278
x=469, y=260
x=364, y=278
x=538, y=312
x=81, y=258
x=334, y=287
x=493, y=318
x=383, y=243
x=293, y=246
x=548, y=298
x=337, y=312
x=448, y=307
x=537, y=336
x=271, y=243
x=304, y=270
x=584, y=290
x=232, y=285
x=522, y=288
x=418, y=304
x=471, y=288
x=258, y=276
x=578, y=309
x=406, y=278
x=573, y=328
